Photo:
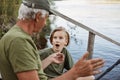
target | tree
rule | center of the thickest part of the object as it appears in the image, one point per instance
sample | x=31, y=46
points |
x=8, y=14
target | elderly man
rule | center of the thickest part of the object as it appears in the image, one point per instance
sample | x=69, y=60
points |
x=18, y=53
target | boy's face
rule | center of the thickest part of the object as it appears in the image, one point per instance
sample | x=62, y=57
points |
x=59, y=41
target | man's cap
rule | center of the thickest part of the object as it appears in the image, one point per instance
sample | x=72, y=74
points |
x=38, y=4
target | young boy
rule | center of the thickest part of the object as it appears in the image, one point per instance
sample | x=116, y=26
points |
x=59, y=39
x=58, y=56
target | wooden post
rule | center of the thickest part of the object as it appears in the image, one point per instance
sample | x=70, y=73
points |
x=90, y=47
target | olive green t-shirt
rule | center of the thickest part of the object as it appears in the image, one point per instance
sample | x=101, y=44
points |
x=54, y=70
x=18, y=53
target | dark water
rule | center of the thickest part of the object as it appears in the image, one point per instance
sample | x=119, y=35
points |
x=101, y=16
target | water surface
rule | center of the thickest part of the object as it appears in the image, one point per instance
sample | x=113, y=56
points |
x=102, y=16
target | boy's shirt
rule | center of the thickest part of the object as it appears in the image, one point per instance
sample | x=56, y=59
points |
x=54, y=70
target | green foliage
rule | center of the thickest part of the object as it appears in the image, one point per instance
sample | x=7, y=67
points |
x=8, y=10
x=8, y=14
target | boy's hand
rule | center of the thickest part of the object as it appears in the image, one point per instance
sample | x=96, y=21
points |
x=57, y=58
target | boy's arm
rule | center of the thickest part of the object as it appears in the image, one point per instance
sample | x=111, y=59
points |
x=46, y=62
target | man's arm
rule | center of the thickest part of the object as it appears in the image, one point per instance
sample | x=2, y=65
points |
x=82, y=68
x=28, y=75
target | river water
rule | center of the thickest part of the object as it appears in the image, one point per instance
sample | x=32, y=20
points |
x=102, y=16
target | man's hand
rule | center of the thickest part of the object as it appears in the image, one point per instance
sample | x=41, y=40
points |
x=86, y=67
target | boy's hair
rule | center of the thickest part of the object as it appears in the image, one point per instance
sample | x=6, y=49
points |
x=60, y=29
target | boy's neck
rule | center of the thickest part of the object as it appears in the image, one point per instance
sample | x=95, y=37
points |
x=56, y=50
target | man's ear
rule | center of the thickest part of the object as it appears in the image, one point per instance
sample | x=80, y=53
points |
x=37, y=16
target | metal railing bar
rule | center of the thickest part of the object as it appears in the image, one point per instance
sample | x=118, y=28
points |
x=83, y=26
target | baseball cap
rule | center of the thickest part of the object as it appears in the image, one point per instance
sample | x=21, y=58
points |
x=38, y=4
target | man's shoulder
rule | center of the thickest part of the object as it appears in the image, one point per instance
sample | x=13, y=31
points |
x=17, y=32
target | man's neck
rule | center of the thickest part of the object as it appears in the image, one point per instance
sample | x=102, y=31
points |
x=25, y=26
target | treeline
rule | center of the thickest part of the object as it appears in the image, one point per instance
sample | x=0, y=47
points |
x=8, y=14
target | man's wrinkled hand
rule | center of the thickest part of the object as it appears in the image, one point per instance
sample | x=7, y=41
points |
x=86, y=67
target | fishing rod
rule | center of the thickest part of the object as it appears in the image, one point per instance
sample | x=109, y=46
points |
x=109, y=69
